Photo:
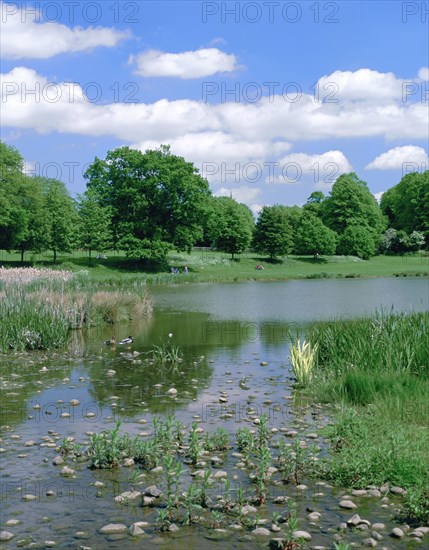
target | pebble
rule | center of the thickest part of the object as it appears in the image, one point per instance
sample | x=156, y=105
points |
x=135, y=531
x=220, y=474
x=128, y=495
x=397, y=533
x=128, y=462
x=113, y=528
x=261, y=532
x=66, y=471
x=359, y=492
x=347, y=505
x=5, y=536
x=29, y=497
x=74, y=402
x=302, y=535
x=369, y=542
x=58, y=461
x=152, y=491
x=172, y=392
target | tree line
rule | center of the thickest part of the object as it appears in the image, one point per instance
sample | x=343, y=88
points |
x=149, y=203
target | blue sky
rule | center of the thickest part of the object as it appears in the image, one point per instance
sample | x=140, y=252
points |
x=271, y=100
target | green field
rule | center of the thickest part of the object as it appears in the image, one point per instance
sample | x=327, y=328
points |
x=205, y=265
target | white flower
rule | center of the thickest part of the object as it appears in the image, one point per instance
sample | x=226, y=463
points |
x=170, y=334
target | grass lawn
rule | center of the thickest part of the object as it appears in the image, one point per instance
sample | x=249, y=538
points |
x=206, y=265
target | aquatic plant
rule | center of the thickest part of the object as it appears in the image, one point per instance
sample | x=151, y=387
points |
x=303, y=361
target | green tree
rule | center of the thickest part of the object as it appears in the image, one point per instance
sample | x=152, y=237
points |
x=157, y=199
x=407, y=204
x=12, y=215
x=314, y=204
x=61, y=215
x=313, y=237
x=273, y=232
x=352, y=203
x=95, y=224
x=358, y=241
x=234, y=227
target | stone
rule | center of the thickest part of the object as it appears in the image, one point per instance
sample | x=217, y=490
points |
x=314, y=516
x=147, y=501
x=347, y=505
x=128, y=462
x=369, y=542
x=74, y=402
x=173, y=528
x=397, y=533
x=248, y=509
x=157, y=470
x=58, y=461
x=67, y=472
x=375, y=535
x=29, y=497
x=5, y=536
x=127, y=496
x=172, y=392
x=378, y=526
x=354, y=520
x=302, y=535
x=261, y=532
x=374, y=493
x=135, y=531
x=113, y=528
x=359, y=492
x=423, y=529
x=220, y=474
x=417, y=534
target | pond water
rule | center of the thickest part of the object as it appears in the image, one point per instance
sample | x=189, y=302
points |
x=234, y=343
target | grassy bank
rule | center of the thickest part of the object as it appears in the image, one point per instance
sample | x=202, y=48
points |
x=377, y=371
x=205, y=266
x=39, y=307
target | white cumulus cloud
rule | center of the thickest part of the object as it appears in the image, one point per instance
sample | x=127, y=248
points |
x=190, y=64
x=23, y=35
x=395, y=158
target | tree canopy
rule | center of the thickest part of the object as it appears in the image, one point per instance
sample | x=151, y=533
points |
x=273, y=231
x=156, y=199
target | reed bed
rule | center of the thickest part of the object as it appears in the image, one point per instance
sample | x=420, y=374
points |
x=38, y=307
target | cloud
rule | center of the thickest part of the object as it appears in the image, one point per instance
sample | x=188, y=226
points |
x=424, y=73
x=244, y=194
x=363, y=85
x=22, y=36
x=242, y=131
x=191, y=64
x=378, y=196
x=397, y=157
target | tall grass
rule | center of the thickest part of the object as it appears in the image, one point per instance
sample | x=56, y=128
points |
x=377, y=369
x=39, y=307
x=302, y=360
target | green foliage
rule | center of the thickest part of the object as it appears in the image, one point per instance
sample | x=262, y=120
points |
x=155, y=197
x=303, y=360
x=313, y=237
x=407, y=204
x=61, y=215
x=233, y=226
x=351, y=203
x=95, y=223
x=273, y=232
x=357, y=241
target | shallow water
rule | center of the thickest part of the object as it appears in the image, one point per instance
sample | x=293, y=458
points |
x=225, y=332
